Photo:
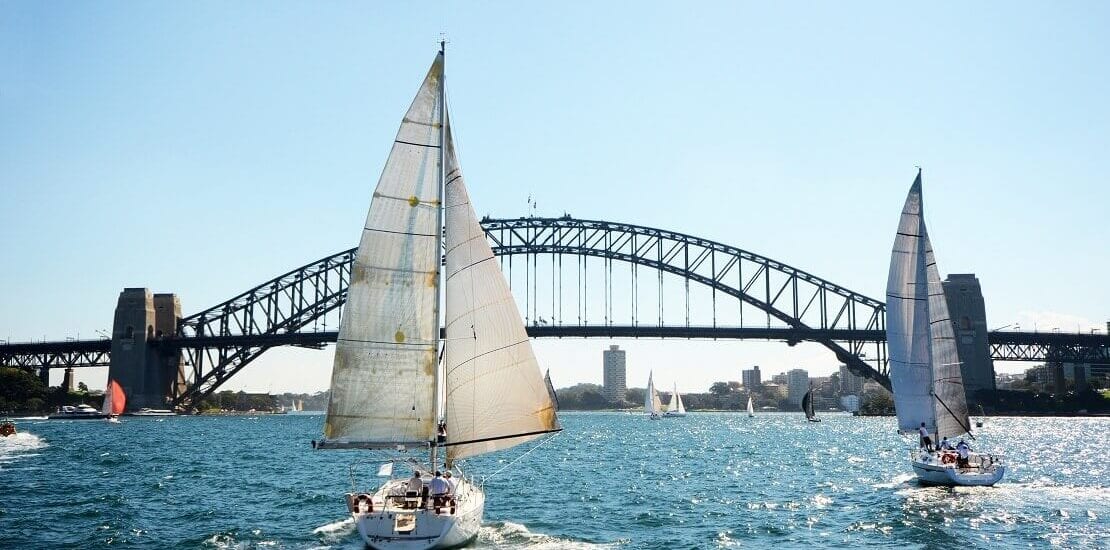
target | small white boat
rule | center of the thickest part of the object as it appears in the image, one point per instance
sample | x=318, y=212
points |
x=653, y=406
x=751, y=407
x=924, y=362
x=152, y=412
x=393, y=388
x=675, y=407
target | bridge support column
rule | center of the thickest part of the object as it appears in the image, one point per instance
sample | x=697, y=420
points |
x=146, y=371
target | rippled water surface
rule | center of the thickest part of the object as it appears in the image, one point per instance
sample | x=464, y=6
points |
x=611, y=479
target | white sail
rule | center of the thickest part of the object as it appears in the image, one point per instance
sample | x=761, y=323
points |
x=924, y=365
x=496, y=396
x=651, y=399
x=751, y=406
x=383, y=377
x=672, y=407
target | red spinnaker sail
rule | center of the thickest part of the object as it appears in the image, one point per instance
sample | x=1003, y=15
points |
x=114, y=399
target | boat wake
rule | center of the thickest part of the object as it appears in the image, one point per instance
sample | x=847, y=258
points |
x=514, y=535
x=13, y=446
x=336, y=530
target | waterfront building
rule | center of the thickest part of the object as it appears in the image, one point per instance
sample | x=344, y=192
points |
x=750, y=377
x=850, y=384
x=779, y=378
x=797, y=382
x=613, y=374
x=965, y=307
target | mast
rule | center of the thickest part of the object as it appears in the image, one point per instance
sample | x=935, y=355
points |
x=439, y=244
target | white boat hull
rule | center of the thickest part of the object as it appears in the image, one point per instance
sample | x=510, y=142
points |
x=395, y=528
x=931, y=470
x=674, y=414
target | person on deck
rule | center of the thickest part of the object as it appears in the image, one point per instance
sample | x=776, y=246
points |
x=926, y=441
x=964, y=451
x=945, y=445
x=439, y=488
x=415, y=485
x=450, y=481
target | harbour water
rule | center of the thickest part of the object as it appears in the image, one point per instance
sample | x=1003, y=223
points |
x=710, y=480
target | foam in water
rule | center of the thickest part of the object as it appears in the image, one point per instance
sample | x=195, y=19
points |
x=14, y=446
x=336, y=529
x=515, y=535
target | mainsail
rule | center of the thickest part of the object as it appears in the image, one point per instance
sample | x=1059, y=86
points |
x=751, y=406
x=383, y=377
x=924, y=364
x=115, y=401
x=496, y=396
x=807, y=405
x=652, y=405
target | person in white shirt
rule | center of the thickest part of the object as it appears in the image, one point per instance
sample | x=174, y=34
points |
x=945, y=445
x=926, y=442
x=415, y=485
x=438, y=488
x=451, y=482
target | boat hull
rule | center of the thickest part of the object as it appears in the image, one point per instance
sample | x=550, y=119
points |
x=930, y=472
x=428, y=531
x=75, y=416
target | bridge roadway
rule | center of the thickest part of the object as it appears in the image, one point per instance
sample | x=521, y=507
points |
x=1004, y=345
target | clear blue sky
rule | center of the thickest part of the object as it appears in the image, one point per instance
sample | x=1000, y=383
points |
x=204, y=147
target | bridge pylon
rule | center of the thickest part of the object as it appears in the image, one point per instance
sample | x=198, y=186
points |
x=147, y=372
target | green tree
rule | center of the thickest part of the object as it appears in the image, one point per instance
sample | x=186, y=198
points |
x=720, y=389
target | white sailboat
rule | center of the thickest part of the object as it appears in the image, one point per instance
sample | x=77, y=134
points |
x=653, y=406
x=751, y=407
x=675, y=407
x=389, y=389
x=924, y=364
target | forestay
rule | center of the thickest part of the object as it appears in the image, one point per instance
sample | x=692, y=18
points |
x=924, y=365
x=496, y=396
x=383, y=378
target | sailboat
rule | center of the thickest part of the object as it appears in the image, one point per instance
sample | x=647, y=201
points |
x=675, y=407
x=653, y=406
x=396, y=386
x=807, y=406
x=751, y=407
x=114, y=401
x=924, y=364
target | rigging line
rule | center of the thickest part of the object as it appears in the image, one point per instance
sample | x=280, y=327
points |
x=954, y=417
x=517, y=459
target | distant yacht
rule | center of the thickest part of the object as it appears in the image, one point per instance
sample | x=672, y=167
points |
x=653, y=406
x=152, y=412
x=114, y=401
x=924, y=363
x=807, y=406
x=79, y=412
x=675, y=408
x=751, y=406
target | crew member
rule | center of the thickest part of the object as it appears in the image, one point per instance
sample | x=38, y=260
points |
x=964, y=451
x=926, y=441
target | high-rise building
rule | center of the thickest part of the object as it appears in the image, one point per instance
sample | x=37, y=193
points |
x=613, y=374
x=797, y=384
x=779, y=378
x=850, y=384
x=750, y=377
x=965, y=307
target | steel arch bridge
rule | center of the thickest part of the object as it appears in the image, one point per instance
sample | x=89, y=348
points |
x=296, y=307
x=302, y=307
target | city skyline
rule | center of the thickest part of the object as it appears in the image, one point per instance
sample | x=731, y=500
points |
x=161, y=148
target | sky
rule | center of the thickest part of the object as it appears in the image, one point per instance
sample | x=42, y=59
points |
x=204, y=147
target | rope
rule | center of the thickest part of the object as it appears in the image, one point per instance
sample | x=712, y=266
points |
x=515, y=460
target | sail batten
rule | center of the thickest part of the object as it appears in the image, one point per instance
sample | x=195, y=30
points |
x=383, y=377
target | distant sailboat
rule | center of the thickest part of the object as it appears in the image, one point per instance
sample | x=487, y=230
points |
x=751, y=407
x=675, y=407
x=653, y=406
x=807, y=406
x=389, y=388
x=924, y=363
x=114, y=401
